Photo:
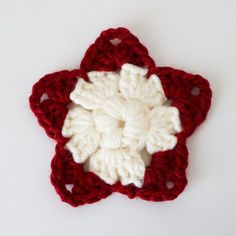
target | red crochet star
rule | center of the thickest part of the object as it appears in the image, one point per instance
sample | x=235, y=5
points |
x=165, y=177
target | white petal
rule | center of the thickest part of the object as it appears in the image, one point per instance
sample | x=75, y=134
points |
x=86, y=95
x=164, y=123
x=115, y=165
x=132, y=80
x=130, y=68
x=134, y=84
x=76, y=121
x=165, y=118
x=92, y=95
x=152, y=92
x=83, y=144
x=160, y=141
x=84, y=139
x=105, y=82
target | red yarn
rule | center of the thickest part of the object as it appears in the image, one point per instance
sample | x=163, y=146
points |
x=165, y=177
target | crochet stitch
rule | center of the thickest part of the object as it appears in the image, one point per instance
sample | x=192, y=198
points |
x=120, y=122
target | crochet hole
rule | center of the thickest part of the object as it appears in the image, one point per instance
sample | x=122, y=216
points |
x=168, y=102
x=71, y=106
x=169, y=184
x=121, y=124
x=69, y=187
x=146, y=157
x=115, y=41
x=44, y=97
x=86, y=165
x=195, y=91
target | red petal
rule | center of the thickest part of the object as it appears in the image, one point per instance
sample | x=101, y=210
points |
x=49, y=100
x=104, y=56
x=86, y=186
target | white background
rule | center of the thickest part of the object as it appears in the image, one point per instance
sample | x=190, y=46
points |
x=40, y=37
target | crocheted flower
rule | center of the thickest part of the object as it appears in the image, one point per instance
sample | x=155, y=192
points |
x=113, y=124
x=116, y=117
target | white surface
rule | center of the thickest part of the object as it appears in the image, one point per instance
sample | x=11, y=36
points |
x=39, y=37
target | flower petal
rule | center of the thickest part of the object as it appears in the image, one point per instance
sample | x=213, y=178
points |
x=84, y=138
x=83, y=144
x=160, y=141
x=135, y=85
x=115, y=165
x=165, y=118
x=132, y=79
x=76, y=121
x=164, y=122
x=152, y=93
x=105, y=82
x=92, y=95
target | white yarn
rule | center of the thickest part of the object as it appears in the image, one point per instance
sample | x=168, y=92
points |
x=113, y=165
x=117, y=117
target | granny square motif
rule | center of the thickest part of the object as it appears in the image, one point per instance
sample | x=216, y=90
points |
x=120, y=122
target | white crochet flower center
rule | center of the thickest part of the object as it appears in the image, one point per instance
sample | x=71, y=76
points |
x=117, y=120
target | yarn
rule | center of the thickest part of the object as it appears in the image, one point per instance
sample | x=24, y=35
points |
x=171, y=93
